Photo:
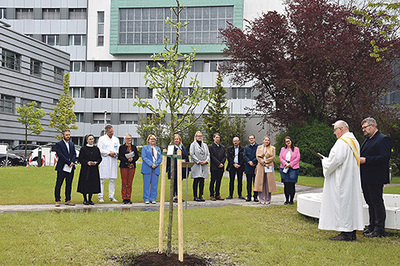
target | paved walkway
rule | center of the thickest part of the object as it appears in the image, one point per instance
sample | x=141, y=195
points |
x=276, y=200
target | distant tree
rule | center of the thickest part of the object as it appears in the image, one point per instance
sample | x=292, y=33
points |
x=29, y=116
x=310, y=63
x=217, y=111
x=63, y=116
x=153, y=125
x=234, y=126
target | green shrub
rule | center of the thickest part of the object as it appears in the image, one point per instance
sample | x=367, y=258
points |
x=139, y=149
x=315, y=136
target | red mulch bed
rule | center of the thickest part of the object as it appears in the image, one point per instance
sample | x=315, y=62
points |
x=156, y=259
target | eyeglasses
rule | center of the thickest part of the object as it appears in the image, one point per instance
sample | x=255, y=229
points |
x=199, y=136
x=335, y=129
x=287, y=141
x=364, y=127
x=128, y=138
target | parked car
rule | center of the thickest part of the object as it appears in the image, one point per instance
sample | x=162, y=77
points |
x=34, y=155
x=11, y=160
x=20, y=149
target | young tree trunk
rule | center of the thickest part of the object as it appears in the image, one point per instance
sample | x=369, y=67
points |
x=171, y=208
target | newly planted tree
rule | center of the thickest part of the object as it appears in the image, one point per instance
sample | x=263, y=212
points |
x=167, y=79
x=30, y=117
x=63, y=116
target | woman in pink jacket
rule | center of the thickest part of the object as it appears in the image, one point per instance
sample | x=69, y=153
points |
x=290, y=158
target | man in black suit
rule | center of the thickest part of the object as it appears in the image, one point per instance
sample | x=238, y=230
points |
x=235, y=167
x=217, y=159
x=65, y=167
x=374, y=160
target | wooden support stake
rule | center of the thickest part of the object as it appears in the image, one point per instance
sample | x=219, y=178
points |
x=180, y=212
x=162, y=201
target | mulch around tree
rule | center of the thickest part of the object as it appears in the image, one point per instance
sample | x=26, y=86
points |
x=156, y=259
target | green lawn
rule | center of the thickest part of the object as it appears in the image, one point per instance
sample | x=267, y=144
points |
x=35, y=185
x=249, y=236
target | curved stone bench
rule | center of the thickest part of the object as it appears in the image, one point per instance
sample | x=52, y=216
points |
x=309, y=204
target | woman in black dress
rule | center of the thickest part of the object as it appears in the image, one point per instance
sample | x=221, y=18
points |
x=89, y=179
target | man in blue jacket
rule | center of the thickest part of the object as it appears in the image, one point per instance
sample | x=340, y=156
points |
x=65, y=167
x=374, y=160
x=251, y=163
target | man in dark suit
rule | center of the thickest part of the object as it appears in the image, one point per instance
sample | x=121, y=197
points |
x=235, y=167
x=374, y=160
x=251, y=163
x=65, y=167
x=217, y=159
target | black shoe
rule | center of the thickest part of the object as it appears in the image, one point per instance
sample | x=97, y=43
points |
x=255, y=200
x=376, y=233
x=229, y=197
x=125, y=201
x=196, y=199
x=201, y=199
x=129, y=201
x=175, y=200
x=367, y=231
x=85, y=202
x=241, y=197
x=286, y=203
x=343, y=237
x=91, y=202
x=248, y=199
x=290, y=202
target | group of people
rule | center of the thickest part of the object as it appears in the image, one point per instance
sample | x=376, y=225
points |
x=352, y=172
x=99, y=163
x=348, y=170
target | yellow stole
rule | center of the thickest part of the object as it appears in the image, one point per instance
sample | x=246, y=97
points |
x=353, y=147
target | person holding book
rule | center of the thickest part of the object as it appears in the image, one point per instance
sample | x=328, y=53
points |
x=127, y=155
x=89, y=177
x=289, y=158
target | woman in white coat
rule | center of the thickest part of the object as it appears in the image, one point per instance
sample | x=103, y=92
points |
x=200, y=156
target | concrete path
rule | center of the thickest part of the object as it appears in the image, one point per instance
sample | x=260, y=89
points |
x=276, y=201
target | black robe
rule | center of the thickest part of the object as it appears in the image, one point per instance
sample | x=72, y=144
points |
x=89, y=178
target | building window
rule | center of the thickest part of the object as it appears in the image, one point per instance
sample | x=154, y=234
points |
x=7, y=104
x=130, y=66
x=77, y=40
x=102, y=66
x=58, y=74
x=2, y=13
x=102, y=92
x=36, y=68
x=51, y=39
x=77, y=66
x=77, y=13
x=147, y=25
x=77, y=92
x=129, y=93
x=26, y=101
x=79, y=117
x=10, y=60
x=98, y=118
x=51, y=13
x=100, y=28
x=149, y=93
x=185, y=91
x=24, y=13
x=241, y=93
x=129, y=119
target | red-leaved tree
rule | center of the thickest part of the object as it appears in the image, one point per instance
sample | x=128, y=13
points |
x=310, y=63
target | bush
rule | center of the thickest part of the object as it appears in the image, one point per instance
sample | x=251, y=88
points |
x=139, y=149
x=315, y=136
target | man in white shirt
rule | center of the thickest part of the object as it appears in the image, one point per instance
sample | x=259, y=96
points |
x=342, y=203
x=108, y=145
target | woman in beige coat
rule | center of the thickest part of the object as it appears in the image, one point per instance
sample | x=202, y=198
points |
x=265, y=177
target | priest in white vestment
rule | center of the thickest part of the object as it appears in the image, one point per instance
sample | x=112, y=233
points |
x=108, y=145
x=342, y=203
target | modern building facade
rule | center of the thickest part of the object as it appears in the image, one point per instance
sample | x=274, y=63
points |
x=29, y=71
x=111, y=43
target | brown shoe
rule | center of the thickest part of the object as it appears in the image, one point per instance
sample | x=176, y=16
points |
x=213, y=199
x=219, y=198
x=69, y=203
x=58, y=204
